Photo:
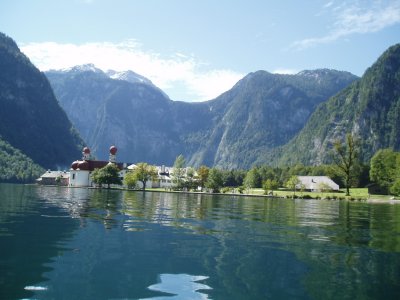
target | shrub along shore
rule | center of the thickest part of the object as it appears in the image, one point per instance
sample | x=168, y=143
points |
x=357, y=194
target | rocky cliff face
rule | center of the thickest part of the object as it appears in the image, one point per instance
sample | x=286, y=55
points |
x=260, y=113
x=264, y=111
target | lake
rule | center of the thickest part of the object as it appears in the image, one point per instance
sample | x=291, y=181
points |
x=74, y=243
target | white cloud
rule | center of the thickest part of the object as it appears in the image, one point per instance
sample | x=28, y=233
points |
x=213, y=82
x=357, y=18
x=179, y=74
x=329, y=4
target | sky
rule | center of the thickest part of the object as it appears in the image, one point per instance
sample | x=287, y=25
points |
x=195, y=50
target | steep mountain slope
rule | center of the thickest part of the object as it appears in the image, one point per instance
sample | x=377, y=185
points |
x=31, y=119
x=261, y=112
x=369, y=109
x=264, y=111
x=134, y=115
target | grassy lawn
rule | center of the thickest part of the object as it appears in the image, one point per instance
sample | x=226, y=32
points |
x=355, y=193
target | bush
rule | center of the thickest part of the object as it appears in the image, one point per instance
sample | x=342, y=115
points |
x=225, y=189
x=395, y=188
x=240, y=189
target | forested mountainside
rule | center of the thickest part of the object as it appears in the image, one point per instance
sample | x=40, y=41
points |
x=31, y=119
x=15, y=166
x=260, y=112
x=369, y=109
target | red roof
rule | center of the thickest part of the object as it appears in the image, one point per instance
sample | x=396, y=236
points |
x=90, y=165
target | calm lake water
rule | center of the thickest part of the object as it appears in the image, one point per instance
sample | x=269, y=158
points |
x=70, y=243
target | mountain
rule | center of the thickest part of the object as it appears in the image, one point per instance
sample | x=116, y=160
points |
x=369, y=109
x=106, y=111
x=129, y=76
x=262, y=111
x=31, y=119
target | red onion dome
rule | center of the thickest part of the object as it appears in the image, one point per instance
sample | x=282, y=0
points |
x=83, y=165
x=75, y=165
x=86, y=150
x=113, y=150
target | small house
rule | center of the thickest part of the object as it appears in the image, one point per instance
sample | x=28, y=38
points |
x=54, y=178
x=317, y=183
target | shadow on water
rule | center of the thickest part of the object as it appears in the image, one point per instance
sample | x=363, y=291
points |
x=31, y=234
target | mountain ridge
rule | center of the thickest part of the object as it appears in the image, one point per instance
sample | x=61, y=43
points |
x=158, y=129
x=369, y=109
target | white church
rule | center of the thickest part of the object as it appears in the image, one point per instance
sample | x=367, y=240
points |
x=81, y=170
x=80, y=173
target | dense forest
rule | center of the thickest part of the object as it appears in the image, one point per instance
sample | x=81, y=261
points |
x=15, y=166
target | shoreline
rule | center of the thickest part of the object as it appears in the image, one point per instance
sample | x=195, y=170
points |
x=369, y=200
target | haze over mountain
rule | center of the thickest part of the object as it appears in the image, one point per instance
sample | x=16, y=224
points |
x=368, y=108
x=264, y=119
x=136, y=116
x=262, y=111
x=31, y=118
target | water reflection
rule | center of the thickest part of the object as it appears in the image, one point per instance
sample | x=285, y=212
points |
x=29, y=240
x=181, y=286
x=99, y=244
x=340, y=222
x=337, y=221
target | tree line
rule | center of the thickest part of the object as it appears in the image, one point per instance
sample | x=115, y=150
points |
x=383, y=173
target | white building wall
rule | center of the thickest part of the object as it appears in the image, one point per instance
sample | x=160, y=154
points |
x=165, y=183
x=80, y=178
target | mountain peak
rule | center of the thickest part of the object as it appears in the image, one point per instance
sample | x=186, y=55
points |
x=317, y=73
x=84, y=68
x=369, y=109
x=129, y=76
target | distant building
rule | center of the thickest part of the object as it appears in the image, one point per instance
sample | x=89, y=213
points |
x=81, y=170
x=54, y=178
x=163, y=180
x=317, y=183
x=164, y=177
x=80, y=173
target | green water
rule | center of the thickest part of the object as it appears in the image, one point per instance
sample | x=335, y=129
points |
x=60, y=243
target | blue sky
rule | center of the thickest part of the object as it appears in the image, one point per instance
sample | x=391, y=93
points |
x=195, y=50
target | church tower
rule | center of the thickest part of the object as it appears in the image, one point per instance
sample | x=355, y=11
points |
x=113, y=152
